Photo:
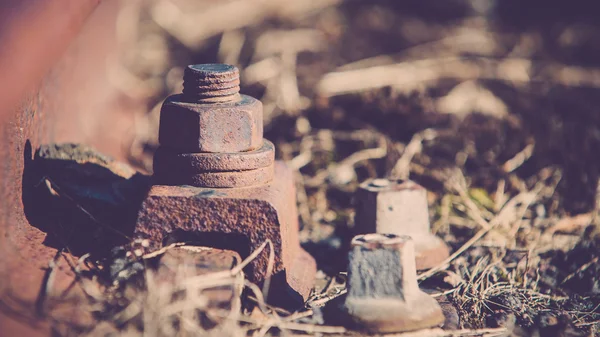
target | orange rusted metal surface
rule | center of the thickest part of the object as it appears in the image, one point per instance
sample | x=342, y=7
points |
x=240, y=219
x=210, y=115
x=165, y=161
x=216, y=183
x=34, y=34
x=59, y=47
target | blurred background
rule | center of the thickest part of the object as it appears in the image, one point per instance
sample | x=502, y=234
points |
x=486, y=99
x=498, y=89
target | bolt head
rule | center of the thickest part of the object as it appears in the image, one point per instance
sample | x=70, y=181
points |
x=225, y=127
x=383, y=293
x=392, y=206
x=399, y=207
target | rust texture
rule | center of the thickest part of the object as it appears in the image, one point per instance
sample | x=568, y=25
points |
x=185, y=163
x=220, y=179
x=236, y=169
x=224, y=127
x=383, y=293
x=235, y=218
x=194, y=122
x=217, y=183
x=55, y=92
x=399, y=207
x=211, y=83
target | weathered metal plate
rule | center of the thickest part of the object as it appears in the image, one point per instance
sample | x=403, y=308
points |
x=235, y=218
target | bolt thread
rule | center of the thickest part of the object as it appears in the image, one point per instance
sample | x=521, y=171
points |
x=211, y=83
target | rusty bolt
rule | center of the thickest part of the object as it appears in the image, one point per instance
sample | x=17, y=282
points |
x=210, y=115
x=211, y=83
x=399, y=207
x=210, y=135
x=216, y=182
x=383, y=293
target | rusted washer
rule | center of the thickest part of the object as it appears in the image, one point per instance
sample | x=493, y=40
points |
x=166, y=162
x=378, y=241
x=246, y=178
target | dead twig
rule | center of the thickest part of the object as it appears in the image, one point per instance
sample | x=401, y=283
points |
x=401, y=169
x=579, y=270
x=349, y=162
x=47, y=284
x=518, y=159
x=406, y=75
x=225, y=16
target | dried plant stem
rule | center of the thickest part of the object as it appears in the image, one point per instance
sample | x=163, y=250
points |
x=402, y=168
x=507, y=212
x=405, y=75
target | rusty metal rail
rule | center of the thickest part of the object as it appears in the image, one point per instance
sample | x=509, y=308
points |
x=34, y=35
x=53, y=88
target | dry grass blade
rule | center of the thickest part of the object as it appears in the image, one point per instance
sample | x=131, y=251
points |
x=580, y=269
x=458, y=184
x=407, y=75
x=451, y=333
x=349, y=162
x=226, y=16
x=402, y=168
x=47, y=284
x=504, y=216
x=270, y=266
x=520, y=158
x=162, y=250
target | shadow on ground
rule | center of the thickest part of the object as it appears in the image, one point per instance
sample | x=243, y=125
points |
x=84, y=201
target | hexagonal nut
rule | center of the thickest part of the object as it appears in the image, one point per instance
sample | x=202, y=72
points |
x=224, y=127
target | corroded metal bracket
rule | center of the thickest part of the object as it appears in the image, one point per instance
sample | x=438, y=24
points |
x=217, y=186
